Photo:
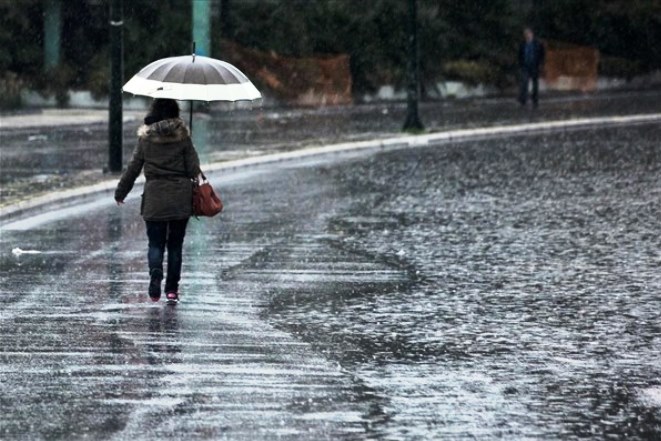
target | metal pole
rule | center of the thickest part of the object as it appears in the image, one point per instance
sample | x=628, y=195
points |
x=52, y=33
x=202, y=26
x=116, y=81
x=201, y=36
x=413, y=122
x=190, y=118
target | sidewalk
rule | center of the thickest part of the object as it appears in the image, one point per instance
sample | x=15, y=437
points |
x=59, y=118
x=56, y=151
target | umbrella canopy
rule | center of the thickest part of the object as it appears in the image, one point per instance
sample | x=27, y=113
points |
x=192, y=78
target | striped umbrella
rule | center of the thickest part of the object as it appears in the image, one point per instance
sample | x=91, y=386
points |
x=192, y=78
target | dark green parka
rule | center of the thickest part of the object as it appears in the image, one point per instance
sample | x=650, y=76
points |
x=170, y=161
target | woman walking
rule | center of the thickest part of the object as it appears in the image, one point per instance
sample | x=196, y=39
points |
x=170, y=162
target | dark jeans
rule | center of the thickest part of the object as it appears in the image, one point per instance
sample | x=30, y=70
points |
x=170, y=234
x=528, y=75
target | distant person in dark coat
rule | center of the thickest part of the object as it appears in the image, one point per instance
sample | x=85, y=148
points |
x=169, y=160
x=531, y=60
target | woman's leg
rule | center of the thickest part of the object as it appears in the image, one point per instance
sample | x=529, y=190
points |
x=157, y=234
x=176, y=233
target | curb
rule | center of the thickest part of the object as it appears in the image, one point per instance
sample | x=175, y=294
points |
x=11, y=212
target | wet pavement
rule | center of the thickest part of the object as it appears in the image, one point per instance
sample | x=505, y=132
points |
x=35, y=160
x=488, y=289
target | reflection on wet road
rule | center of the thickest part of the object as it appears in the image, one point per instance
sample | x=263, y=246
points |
x=85, y=353
x=488, y=289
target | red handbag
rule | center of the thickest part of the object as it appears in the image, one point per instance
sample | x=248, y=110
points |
x=205, y=200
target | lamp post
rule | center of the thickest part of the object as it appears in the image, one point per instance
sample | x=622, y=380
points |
x=116, y=79
x=412, y=122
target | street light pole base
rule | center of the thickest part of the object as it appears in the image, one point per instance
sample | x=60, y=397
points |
x=413, y=124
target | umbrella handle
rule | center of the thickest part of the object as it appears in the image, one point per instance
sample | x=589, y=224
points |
x=190, y=119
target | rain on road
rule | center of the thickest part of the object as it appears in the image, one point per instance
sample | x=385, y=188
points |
x=485, y=289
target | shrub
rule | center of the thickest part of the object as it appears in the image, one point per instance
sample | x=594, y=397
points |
x=470, y=72
x=56, y=82
x=98, y=81
x=10, y=91
x=618, y=67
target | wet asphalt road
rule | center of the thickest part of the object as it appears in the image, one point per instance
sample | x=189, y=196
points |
x=489, y=289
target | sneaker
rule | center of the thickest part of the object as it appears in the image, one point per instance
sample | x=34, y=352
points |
x=172, y=297
x=155, y=285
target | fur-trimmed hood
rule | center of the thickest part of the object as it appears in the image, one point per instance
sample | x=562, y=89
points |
x=166, y=131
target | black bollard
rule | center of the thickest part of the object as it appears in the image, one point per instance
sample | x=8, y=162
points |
x=412, y=122
x=116, y=80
